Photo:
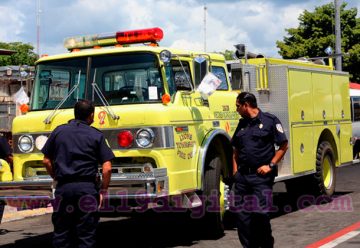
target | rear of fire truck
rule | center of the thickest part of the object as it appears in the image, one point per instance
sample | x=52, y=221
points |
x=172, y=143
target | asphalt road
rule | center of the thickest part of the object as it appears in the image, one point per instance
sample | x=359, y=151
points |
x=292, y=226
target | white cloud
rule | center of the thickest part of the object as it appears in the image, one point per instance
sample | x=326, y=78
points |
x=11, y=23
x=140, y=15
x=258, y=24
x=187, y=45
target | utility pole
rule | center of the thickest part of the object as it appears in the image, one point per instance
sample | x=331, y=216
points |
x=38, y=11
x=338, y=59
x=205, y=9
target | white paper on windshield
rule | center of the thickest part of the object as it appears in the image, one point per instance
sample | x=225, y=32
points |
x=208, y=85
x=153, y=93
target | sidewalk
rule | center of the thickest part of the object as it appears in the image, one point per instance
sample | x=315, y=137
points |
x=11, y=213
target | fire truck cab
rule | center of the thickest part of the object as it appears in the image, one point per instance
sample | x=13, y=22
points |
x=170, y=140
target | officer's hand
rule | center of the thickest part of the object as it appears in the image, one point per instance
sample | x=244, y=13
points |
x=263, y=170
x=101, y=200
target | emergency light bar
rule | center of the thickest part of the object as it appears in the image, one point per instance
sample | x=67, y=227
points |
x=152, y=35
x=140, y=36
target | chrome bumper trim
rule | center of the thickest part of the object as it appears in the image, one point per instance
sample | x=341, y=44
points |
x=122, y=186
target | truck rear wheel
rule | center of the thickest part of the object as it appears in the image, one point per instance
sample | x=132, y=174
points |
x=325, y=175
x=213, y=219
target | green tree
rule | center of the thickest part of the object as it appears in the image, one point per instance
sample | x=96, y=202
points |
x=316, y=32
x=24, y=54
x=227, y=54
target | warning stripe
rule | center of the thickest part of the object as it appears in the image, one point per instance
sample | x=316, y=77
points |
x=333, y=240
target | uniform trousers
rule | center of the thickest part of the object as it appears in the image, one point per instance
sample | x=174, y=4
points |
x=75, y=216
x=252, y=204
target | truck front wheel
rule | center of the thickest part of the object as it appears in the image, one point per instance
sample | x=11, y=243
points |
x=211, y=198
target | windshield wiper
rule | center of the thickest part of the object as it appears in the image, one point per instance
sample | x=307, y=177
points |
x=103, y=100
x=51, y=115
x=186, y=75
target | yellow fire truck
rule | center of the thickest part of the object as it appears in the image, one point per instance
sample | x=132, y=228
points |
x=170, y=140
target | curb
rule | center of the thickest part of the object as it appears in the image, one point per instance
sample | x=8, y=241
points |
x=12, y=213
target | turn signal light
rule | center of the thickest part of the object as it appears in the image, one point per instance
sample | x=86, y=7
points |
x=125, y=139
x=165, y=98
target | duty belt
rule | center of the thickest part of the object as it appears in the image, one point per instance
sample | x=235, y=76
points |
x=90, y=179
x=246, y=170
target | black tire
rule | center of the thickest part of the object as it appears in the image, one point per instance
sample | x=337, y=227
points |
x=320, y=183
x=213, y=220
x=325, y=175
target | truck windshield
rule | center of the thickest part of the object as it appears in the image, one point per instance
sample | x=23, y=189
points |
x=55, y=79
x=121, y=78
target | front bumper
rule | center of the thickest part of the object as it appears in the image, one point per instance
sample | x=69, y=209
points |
x=149, y=185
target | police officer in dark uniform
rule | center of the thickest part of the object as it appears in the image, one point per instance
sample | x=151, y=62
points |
x=255, y=160
x=5, y=150
x=71, y=156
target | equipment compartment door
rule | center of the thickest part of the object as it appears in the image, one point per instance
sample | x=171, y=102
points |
x=346, y=148
x=300, y=96
x=323, y=99
x=302, y=149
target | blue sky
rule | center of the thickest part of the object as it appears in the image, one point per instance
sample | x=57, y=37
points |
x=256, y=23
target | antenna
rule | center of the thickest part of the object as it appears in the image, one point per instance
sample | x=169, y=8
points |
x=205, y=9
x=38, y=11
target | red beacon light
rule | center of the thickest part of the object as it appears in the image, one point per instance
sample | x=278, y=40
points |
x=151, y=35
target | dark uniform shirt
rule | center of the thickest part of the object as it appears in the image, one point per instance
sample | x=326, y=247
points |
x=254, y=139
x=76, y=150
x=5, y=149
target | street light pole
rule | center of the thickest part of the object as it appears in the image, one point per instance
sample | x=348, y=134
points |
x=205, y=9
x=38, y=11
x=338, y=60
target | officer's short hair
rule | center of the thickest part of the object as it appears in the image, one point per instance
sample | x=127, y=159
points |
x=83, y=109
x=248, y=97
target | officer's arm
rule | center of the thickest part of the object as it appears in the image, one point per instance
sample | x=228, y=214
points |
x=106, y=175
x=49, y=167
x=9, y=159
x=235, y=155
x=279, y=154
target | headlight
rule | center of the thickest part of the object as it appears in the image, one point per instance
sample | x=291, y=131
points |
x=40, y=141
x=26, y=143
x=145, y=137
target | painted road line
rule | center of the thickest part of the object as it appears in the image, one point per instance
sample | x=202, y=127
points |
x=341, y=239
x=338, y=237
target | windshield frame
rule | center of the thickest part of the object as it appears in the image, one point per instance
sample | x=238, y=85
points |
x=89, y=61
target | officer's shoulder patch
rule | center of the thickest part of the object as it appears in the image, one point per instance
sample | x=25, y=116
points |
x=279, y=128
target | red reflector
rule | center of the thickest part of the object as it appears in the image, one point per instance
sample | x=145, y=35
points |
x=139, y=36
x=125, y=139
x=178, y=129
